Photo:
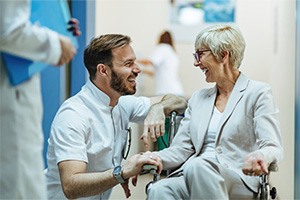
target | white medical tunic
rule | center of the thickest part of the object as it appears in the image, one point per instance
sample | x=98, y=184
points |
x=87, y=129
x=166, y=64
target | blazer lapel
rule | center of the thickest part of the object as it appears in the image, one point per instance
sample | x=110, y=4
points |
x=236, y=95
x=204, y=116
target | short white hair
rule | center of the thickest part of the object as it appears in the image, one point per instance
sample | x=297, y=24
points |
x=221, y=38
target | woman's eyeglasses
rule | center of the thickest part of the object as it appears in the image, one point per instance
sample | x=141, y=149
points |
x=199, y=53
x=125, y=155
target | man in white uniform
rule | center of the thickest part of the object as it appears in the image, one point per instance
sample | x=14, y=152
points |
x=89, y=133
x=21, y=136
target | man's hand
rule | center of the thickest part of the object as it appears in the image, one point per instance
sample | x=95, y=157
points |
x=125, y=186
x=67, y=50
x=134, y=166
x=126, y=189
x=154, y=124
x=153, y=156
x=255, y=164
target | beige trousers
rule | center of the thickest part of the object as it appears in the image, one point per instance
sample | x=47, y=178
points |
x=202, y=179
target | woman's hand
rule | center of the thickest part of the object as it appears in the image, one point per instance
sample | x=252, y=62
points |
x=255, y=164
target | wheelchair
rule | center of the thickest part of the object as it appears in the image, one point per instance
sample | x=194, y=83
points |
x=265, y=191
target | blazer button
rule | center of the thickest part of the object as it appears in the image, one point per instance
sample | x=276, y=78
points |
x=219, y=150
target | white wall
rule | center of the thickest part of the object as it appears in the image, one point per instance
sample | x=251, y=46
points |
x=269, y=29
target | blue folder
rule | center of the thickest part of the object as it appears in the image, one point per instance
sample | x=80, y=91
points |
x=55, y=15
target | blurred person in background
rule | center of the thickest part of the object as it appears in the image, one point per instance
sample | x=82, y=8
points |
x=166, y=66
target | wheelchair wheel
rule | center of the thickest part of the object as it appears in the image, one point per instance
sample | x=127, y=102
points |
x=273, y=192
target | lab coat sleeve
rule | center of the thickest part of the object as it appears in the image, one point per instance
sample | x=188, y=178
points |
x=21, y=38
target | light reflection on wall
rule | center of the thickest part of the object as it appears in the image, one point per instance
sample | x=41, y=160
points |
x=187, y=17
x=190, y=13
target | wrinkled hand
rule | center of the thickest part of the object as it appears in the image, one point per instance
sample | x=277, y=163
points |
x=154, y=124
x=67, y=50
x=255, y=164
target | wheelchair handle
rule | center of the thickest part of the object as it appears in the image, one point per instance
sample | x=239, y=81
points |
x=172, y=126
x=149, y=169
x=273, y=167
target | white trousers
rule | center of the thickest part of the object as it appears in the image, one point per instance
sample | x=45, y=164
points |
x=201, y=179
x=21, y=140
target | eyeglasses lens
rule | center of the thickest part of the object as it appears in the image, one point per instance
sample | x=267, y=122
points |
x=198, y=54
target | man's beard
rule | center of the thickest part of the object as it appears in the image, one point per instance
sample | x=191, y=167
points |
x=119, y=84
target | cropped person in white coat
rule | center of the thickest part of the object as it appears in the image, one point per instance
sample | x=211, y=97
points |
x=166, y=66
x=230, y=133
x=21, y=136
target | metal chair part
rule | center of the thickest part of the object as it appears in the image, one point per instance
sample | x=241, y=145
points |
x=152, y=169
x=265, y=191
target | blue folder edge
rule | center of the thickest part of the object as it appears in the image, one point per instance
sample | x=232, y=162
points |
x=42, y=12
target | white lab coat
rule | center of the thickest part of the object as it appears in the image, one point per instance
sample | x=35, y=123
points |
x=21, y=136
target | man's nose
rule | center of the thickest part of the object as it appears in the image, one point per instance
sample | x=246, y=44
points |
x=136, y=68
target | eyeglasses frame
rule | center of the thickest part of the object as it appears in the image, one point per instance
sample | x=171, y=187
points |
x=199, y=53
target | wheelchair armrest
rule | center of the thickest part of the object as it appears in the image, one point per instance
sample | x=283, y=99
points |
x=273, y=167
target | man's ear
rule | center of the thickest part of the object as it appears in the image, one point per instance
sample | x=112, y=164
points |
x=102, y=69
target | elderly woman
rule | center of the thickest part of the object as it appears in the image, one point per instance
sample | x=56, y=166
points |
x=230, y=133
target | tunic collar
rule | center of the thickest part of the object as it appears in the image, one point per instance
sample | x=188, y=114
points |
x=97, y=93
